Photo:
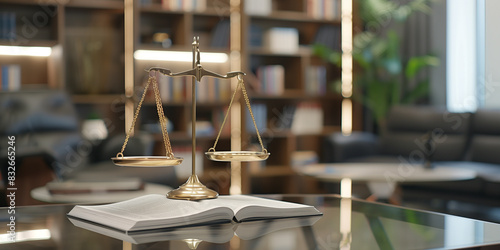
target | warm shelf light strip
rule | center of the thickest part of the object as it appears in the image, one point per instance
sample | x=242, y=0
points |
x=347, y=66
x=346, y=117
x=129, y=61
x=179, y=56
x=347, y=38
x=25, y=51
x=30, y=235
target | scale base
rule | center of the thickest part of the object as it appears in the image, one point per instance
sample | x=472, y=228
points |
x=193, y=189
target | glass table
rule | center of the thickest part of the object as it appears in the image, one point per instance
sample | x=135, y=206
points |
x=345, y=224
x=382, y=178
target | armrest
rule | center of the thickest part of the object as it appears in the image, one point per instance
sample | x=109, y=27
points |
x=338, y=147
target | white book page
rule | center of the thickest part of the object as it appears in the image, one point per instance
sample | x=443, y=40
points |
x=249, y=207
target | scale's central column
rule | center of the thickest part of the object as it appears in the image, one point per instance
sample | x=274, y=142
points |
x=193, y=110
x=193, y=189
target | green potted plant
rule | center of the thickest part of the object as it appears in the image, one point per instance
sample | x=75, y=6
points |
x=382, y=77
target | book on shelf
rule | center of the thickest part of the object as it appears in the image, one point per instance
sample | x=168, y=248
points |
x=259, y=111
x=324, y=9
x=255, y=36
x=308, y=118
x=220, y=35
x=10, y=77
x=203, y=128
x=316, y=80
x=155, y=211
x=219, y=233
x=258, y=7
x=272, y=79
x=281, y=40
x=328, y=36
x=184, y=5
x=8, y=25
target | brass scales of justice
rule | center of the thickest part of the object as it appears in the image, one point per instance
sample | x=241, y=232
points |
x=193, y=189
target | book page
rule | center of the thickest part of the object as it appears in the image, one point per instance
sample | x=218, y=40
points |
x=153, y=211
x=253, y=208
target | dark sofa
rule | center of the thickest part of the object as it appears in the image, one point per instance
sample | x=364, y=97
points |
x=433, y=136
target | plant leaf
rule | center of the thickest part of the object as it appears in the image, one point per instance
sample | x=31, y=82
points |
x=327, y=54
x=375, y=10
x=416, y=63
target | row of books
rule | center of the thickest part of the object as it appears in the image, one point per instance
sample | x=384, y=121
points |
x=184, y=5
x=286, y=40
x=303, y=118
x=272, y=79
x=320, y=9
x=316, y=80
x=179, y=89
x=324, y=9
x=10, y=76
x=211, y=89
x=7, y=25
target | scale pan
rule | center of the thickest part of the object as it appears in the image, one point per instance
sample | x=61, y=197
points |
x=146, y=161
x=237, y=156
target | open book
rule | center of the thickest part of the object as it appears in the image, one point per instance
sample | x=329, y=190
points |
x=155, y=211
x=219, y=233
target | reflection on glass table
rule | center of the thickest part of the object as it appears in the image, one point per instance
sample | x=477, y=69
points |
x=346, y=224
x=382, y=178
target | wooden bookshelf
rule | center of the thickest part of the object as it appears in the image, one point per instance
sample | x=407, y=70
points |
x=282, y=142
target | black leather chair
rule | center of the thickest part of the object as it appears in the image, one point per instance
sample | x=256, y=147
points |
x=464, y=140
x=45, y=124
x=415, y=133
